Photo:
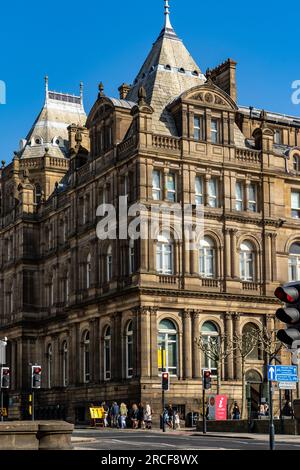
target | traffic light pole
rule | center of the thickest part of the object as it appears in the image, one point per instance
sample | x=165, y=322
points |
x=203, y=411
x=32, y=406
x=163, y=392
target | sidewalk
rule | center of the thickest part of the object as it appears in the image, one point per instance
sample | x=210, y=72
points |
x=239, y=435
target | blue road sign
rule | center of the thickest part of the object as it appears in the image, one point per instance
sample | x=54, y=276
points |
x=283, y=373
x=272, y=373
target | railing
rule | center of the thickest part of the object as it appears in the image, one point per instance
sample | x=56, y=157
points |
x=59, y=162
x=210, y=283
x=248, y=156
x=165, y=142
x=127, y=145
x=171, y=280
x=253, y=286
x=83, y=172
x=31, y=162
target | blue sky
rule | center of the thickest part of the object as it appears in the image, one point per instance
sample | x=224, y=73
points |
x=109, y=40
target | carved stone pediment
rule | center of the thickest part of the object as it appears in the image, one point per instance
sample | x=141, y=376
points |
x=209, y=98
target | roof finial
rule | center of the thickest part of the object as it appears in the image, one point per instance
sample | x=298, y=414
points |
x=46, y=86
x=81, y=92
x=167, y=15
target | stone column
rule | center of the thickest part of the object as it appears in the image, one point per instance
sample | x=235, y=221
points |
x=228, y=267
x=187, y=347
x=237, y=332
x=206, y=190
x=116, y=347
x=153, y=342
x=274, y=257
x=229, y=369
x=144, y=345
x=234, y=256
x=270, y=322
x=196, y=350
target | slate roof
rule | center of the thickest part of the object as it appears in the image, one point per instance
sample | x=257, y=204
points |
x=167, y=72
x=50, y=128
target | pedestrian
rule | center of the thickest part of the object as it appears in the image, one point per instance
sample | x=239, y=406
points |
x=266, y=408
x=114, y=413
x=123, y=416
x=170, y=416
x=141, y=417
x=261, y=411
x=148, y=416
x=134, y=415
x=177, y=420
x=106, y=412
x=287, y=409
x=236, y=414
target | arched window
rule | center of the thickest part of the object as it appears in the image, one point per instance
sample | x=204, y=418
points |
x=86, y=357
x=129, y=350
x=294, y=262
x=131, y=257
x=247, y=258
x=65, y=364
x=207, y=258
x=252, y=330
x=167, y=347
x=296, y=163
x=107, y=354
x=49, y=365
x=37, y=194
x=109, y=264
x=164, y=255
x=211, y=336
x=88, y=271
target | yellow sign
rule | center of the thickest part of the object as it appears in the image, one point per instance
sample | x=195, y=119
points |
x=3, y=412
x=97, y=413
x=161, y=358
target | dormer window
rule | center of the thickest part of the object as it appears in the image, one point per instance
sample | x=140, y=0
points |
x=296, y=163
x=195, y=73
x=168, y=67
x=182, y=70
x=38, y=141
x=277, y=137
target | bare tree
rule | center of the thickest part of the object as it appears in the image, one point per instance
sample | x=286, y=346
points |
x=217, y=349
x=245, y=344
x=270, y=344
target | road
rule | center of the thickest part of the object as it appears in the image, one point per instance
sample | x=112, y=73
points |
x=108, y=439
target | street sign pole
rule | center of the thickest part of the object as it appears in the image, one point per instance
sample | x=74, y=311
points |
x=163, y=392
x=272, y=427
x=32, y=406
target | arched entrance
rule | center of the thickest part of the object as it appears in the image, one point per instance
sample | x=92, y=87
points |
x=254, y=391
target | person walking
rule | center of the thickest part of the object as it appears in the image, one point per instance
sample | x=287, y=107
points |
x=170, y=416
x=148, y=416
x=266, y=408
x=236, y=414
x=134, y=416
x=123, y=416
x=141, y=417
x=288, y=409
x=114, y=412
x=106, y=412
x=261, y=411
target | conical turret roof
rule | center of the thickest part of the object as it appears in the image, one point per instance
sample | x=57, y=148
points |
x=167, y=72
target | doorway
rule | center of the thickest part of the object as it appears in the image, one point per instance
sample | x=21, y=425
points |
x=254, y=386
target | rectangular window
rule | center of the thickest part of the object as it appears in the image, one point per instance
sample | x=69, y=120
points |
x=278, y=137
x=215, y=128
x=252, y=197
x=171, y=187
x=156, y=185
x=199, y=190
x=213, y=192
x=295, y=203
x=199, y=130
x=239, y=196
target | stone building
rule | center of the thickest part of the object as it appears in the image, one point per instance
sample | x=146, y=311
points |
x=94, y=313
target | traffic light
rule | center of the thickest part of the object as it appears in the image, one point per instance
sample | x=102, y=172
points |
x=207, y=379
x=165, y=381
x=290, y=294
x=36, y=377
x=5, y=377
